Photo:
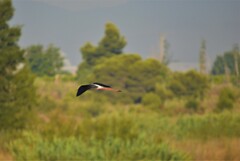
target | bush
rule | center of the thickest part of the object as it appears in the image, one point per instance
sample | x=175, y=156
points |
x=225, y=103
x=163, y=92
x=192, y=104
x=152, y=100
x=188, y=84
x=226, y=99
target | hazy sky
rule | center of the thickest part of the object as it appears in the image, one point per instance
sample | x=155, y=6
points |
x=70, y=23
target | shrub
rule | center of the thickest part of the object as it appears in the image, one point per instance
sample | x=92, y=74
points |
x=224, y=103
x=163, y=92
x=192, y=104
x=152, y=100
x=188, y=84
x=226, y=99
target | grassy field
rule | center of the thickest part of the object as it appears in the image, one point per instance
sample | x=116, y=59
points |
x=89, y=128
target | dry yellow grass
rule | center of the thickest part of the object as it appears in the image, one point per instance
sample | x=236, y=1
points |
x=4, y=156
x=222, y=149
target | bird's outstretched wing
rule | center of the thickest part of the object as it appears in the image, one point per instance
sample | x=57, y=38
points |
x=82, y=89
x=103, y=85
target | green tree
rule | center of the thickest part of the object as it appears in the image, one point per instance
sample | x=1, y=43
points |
x=189, y=84
x=202, y=58
x=111, y=44
x=44, y=61
x=89, y=53
x=17, y=93
x=230, y=59
x=218, y=65
x=129, y=72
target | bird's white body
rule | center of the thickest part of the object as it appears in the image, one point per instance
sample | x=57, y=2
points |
x=98, y=86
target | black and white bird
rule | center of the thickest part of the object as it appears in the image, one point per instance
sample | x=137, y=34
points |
x=97, y=86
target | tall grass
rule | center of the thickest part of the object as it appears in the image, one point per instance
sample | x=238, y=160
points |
x=210, y=149
x=128, y=136
x=226, y=124
x=88, y=128
x=34, y=147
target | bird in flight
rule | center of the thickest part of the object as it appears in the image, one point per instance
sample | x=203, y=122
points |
x=97, y=86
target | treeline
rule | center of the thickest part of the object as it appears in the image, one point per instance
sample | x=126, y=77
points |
x=143, y=81
x=158, y=110
x=228, y=63
x=149, y=82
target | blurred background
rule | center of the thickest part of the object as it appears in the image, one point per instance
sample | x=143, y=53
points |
x=177, y=63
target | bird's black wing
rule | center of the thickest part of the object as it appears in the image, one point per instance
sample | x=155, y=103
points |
x=103, y=85
x=82, y=89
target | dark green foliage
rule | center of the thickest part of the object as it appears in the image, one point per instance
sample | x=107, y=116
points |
x=11, y=55
x=89, y=54
x=226, y=99
x=131, y=74
x=192, y=104
x=218, y=66
x=17, y=93
x=225, y=103
x=19, y=98
x=44, y=61
x=228, y=60
x=189, y=84
x=177, y=88
x=111, y=44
